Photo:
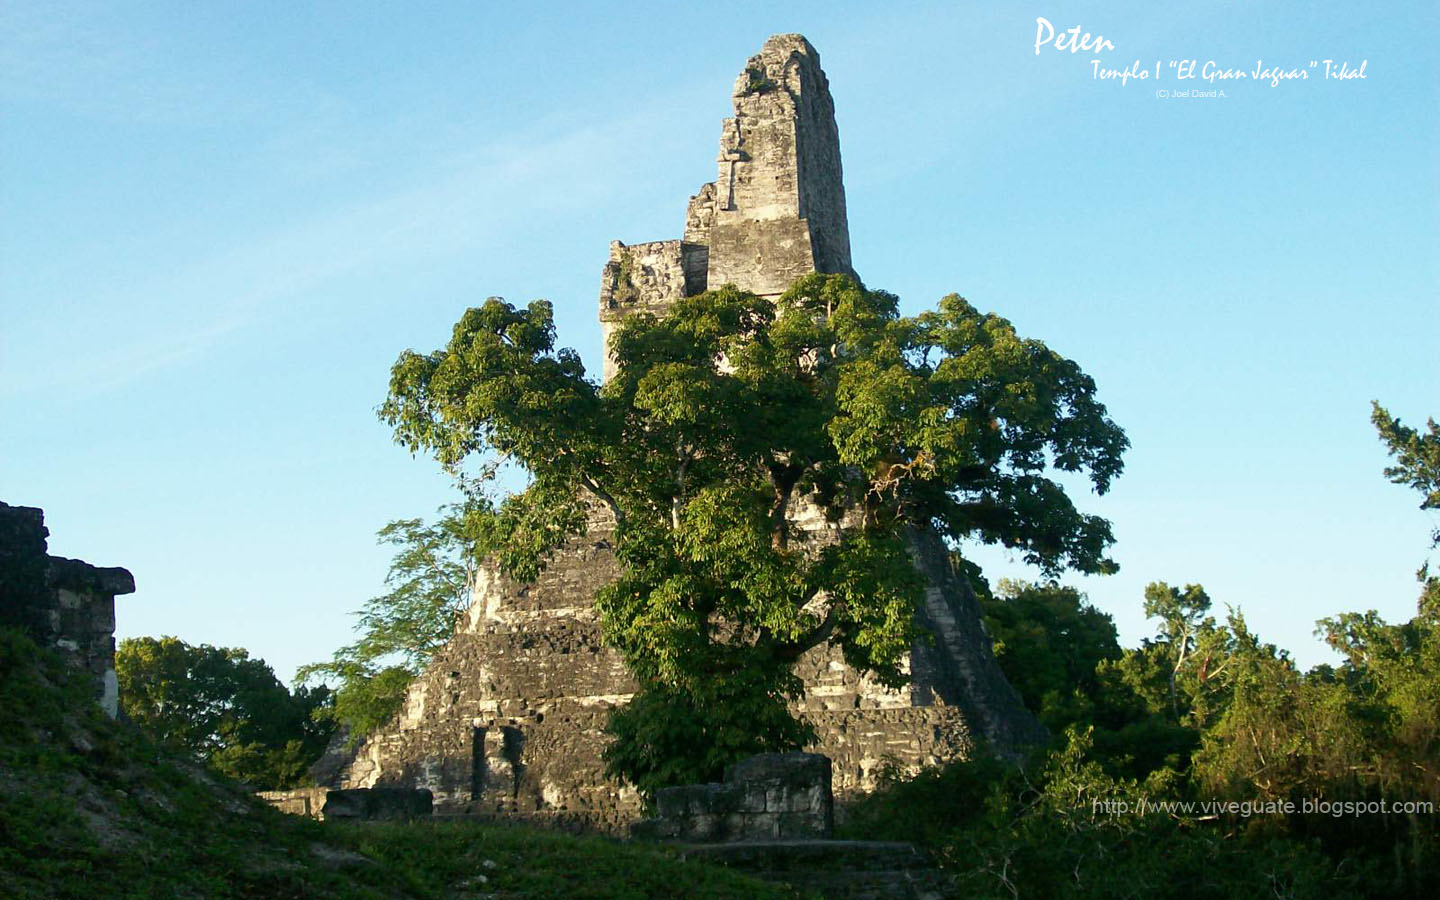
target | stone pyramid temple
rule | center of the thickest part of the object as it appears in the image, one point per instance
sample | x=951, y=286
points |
x=508, y=717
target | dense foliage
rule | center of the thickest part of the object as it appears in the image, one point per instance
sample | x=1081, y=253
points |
x=429, y=583
x=219, y=706
x=1049, y=642
x=725, y=418
x=1203, y=763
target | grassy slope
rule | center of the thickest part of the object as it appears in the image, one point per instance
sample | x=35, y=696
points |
x=90, y=808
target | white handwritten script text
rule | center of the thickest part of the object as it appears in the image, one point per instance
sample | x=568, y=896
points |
x=1068, y=40
x=1077, y=40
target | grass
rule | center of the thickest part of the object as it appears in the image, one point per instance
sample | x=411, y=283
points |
x=512, y=861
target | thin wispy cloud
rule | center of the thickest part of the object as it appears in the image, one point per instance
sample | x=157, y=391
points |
x=179, y=314
x=94, y=62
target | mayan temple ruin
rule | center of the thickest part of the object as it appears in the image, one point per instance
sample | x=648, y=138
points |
x=508, y=717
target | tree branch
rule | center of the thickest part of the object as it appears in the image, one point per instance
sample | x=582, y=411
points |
x=682, y=464
x=605, y=497
x=818, y=635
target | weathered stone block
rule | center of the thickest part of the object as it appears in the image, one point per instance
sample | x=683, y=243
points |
x=801, y=824
x=377, y=804
x=701, y=827
x=777, y=799
x=683, y=800
x=765, y=797
x=725, y=799
x=754, y=798
x=656, y=830
x=764, y=257
x=811, y=799
x=760, y=827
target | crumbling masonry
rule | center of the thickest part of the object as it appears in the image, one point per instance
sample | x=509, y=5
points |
x=508, y=718
x=63, y=604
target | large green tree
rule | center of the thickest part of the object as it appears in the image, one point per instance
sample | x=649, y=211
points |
x=724, y=417
x=219, y=706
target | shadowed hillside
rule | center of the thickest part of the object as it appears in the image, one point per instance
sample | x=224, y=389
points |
x=92, y=808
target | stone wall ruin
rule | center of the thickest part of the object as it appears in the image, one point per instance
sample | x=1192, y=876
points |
x=773, y=817
x=63, y=604
x=772, y=796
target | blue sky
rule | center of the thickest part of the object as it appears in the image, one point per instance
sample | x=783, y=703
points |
x=220, y=224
